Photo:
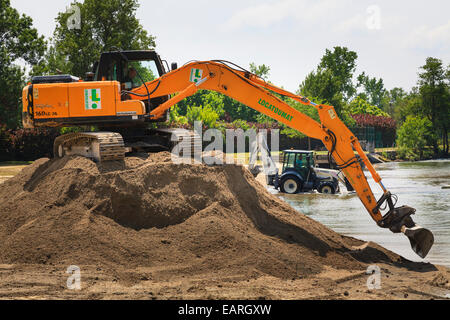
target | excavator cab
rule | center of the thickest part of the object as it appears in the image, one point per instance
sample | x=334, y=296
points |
x=132, y=69
x=115, y=65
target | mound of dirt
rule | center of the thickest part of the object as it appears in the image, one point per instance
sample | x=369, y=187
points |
x=188, y=219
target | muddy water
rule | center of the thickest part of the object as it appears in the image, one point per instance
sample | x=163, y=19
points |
x=418, y=185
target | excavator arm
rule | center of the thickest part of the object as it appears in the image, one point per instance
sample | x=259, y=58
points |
x=254, y=92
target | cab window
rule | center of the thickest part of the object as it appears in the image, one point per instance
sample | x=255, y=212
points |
x=133, y=71
x=289, y=160
x=112, y=72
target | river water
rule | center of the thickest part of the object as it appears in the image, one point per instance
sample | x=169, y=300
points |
x=417, y=184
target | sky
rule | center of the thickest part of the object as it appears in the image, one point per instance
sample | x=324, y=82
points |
x=392, y=38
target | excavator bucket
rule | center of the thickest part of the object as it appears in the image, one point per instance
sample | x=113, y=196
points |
x=399, y=220
x=421, y=239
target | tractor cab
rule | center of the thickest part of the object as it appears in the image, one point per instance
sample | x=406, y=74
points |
x=301, y=162
x=299, y=174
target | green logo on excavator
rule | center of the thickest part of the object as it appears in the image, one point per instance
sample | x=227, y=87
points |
x=275, y=110
x=196, y=75
x=92, y=99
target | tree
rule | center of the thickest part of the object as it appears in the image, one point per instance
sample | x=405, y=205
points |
x=342, y=63
x=206, y=114
x=374, y=90
x=392, y=99
x=410, y=104
x=413, y=136
x=361, y=106
x=434, y=91
x=18, y=40
x=104, y=24
x=261, y=71
x=332, y=80
x=323, y=85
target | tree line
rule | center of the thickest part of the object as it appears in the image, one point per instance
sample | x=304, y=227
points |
x=421, y=116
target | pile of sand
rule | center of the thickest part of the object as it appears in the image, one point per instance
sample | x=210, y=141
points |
x=153, y=213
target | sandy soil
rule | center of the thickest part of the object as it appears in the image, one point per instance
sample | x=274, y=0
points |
x=7, y=172
x=23, y=281
x=149, y=229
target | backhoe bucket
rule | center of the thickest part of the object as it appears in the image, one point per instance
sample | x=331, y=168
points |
x=421, y=239
x=399, y=220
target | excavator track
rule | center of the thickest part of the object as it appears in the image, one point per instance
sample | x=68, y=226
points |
x=187, y=140
x=99, y=146
x=164, y=139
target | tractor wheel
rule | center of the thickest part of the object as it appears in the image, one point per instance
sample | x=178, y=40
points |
x=327, y=189
x=291, y=185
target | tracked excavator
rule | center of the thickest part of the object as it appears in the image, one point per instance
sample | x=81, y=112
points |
x=128, y=91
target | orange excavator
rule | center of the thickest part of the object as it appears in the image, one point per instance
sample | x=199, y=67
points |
x=129, y=90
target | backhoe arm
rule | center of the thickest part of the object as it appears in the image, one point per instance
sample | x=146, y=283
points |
x=254, y=92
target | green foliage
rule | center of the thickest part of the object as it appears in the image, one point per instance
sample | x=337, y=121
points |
x=202, y=97
x=241, y=124
x=143, y=71
x=26, y=145
x=18, y=40
x=324, y=85
x=205, y=114
x=413, y=136
x=261, y=71
x=5, y=144
x=175, y=117
x=392, y=99
x=67, y=130
x=434, y=90
x=374, y=90
x=361, y=106
x=11, y=84
x=331, y=83
x=263, y=119
x=342, y=64
x=104, y=24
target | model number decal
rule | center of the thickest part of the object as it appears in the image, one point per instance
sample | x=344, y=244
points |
x=127, y=113
x=45, y=114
